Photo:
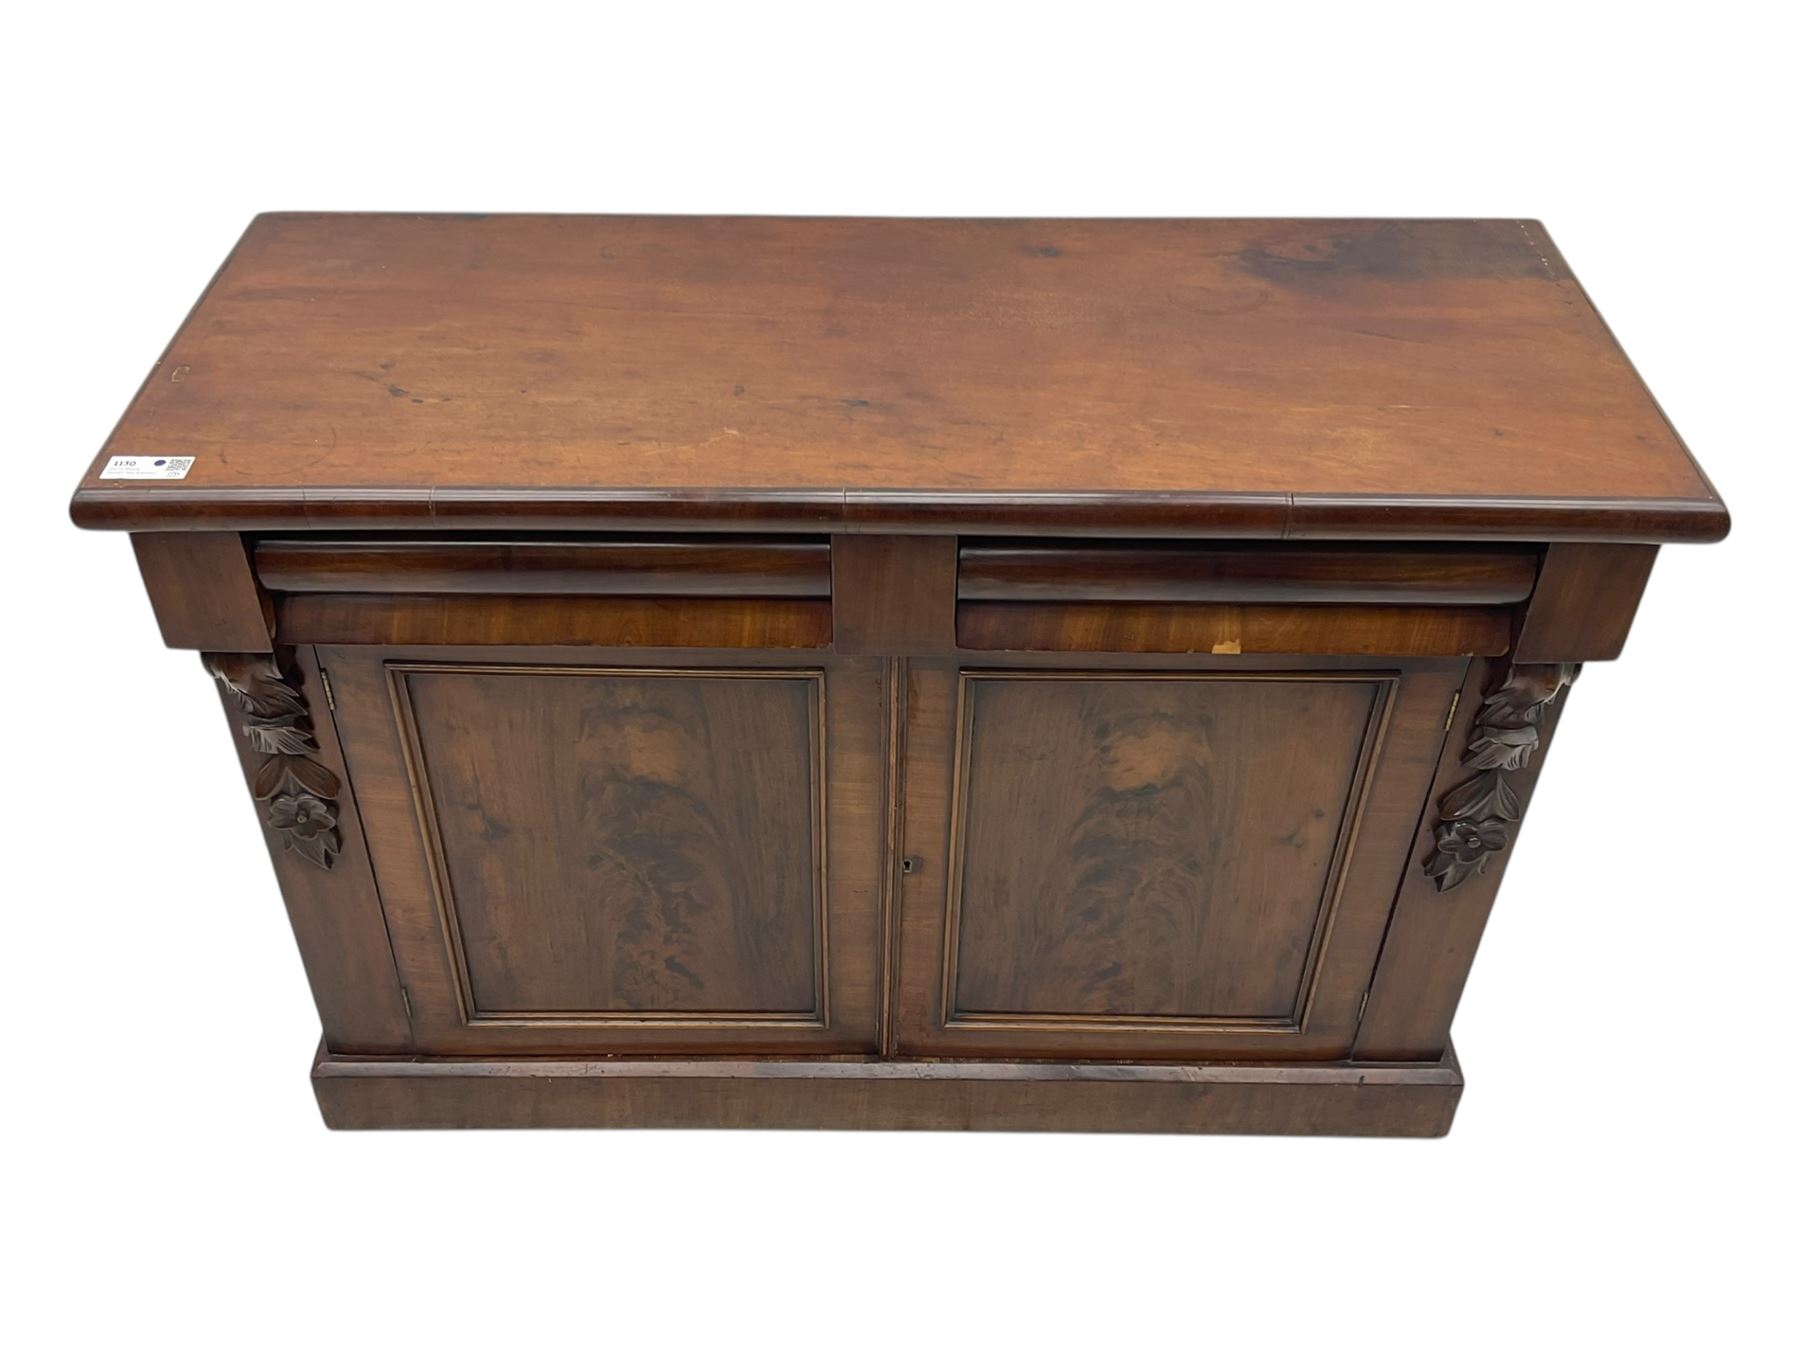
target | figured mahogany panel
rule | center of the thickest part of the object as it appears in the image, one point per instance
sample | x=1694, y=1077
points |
x=1155, y=863
x=555, y=831
x=624, y=843
x=1151, y=847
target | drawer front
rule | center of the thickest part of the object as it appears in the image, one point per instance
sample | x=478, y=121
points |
x=696, y=565
x=778, y=592
x=1244, y=573
x=1239, y=598
x=591, y=591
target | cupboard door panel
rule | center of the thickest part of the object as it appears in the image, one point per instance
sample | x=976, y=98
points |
x=621, y=843
x=1163, y=859
x=1155, y=863
x=615, y=857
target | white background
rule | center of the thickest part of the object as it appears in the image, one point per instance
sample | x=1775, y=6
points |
x=1621, y=1171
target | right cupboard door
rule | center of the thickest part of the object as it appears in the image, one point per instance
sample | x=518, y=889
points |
x=1155, y=863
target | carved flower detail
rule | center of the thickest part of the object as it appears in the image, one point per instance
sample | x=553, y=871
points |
x=302, y=813
x=1466, y=843
x=307, y=824
x=1469, y=841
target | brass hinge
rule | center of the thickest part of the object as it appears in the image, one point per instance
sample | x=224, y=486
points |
x=1362, y=1007
x=325, y=684
x=1449, y=717
x=407, y=1000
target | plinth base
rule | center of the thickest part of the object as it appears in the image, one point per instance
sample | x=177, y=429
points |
x=1322, y=1099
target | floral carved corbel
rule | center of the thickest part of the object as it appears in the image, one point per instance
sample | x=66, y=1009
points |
x=1476, y=819
x=300, y=793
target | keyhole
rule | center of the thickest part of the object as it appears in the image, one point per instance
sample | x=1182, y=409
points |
x=909, y=864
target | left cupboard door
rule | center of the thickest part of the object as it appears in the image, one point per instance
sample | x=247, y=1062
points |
x=586, y=852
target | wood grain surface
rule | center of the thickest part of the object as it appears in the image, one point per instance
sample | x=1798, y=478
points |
x=1150, y=847
x=1240, y=573
x=554, y=620
x=620, y=842
x=1309, y=1099
x=698, y=566
x=1154, y=864
x=1118, y=626
x=618, y=853
x=1365, y=378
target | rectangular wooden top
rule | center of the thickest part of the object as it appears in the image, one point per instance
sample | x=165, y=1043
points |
x=1323, y=379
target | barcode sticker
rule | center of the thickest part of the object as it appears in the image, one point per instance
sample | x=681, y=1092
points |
x=141, y=466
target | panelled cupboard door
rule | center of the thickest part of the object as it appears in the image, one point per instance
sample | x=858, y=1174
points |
x=587, y=854
x=1155, y=863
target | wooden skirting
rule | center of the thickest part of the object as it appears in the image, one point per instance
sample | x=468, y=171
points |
x=1315, y=1099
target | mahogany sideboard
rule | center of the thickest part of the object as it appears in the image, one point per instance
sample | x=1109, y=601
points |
x=1059, y=674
